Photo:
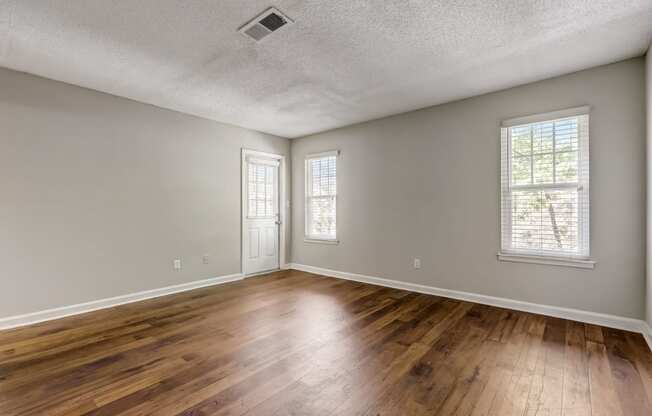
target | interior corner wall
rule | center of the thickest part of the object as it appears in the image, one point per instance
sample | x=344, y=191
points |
x=648, y=89
x=98, y=195
x=426, y=184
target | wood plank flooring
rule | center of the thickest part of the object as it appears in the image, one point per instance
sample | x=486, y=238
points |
x=292, y=343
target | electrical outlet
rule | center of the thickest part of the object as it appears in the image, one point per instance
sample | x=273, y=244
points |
x=417, y=263
x=177, y=264
x=204, y=259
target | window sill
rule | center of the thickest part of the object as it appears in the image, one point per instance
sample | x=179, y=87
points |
x=320, y=241
x=551, y=261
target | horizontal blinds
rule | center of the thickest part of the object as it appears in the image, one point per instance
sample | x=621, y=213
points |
x=545, y=187
x=260, y=190
x=321, y=196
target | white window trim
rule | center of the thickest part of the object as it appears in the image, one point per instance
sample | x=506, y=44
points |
x=317, y=238
x=548, y=260
x=523, y=256
x=313, y=240
x=552, y=115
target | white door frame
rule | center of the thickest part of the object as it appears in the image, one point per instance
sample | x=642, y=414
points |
x=282, y=205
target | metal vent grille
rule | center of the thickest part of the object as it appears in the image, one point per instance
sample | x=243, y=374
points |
x=273, y=21
x=257, y=32
x=264, y=24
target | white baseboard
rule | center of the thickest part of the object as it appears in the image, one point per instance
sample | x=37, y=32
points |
x=56, y=313
x=611, y=321
x=647, y=333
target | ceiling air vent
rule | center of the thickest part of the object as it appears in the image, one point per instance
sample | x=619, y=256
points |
x=265, y=23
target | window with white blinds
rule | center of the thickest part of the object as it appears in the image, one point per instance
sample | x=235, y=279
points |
x=321, y=196
x=545, y=185
x=260, y=185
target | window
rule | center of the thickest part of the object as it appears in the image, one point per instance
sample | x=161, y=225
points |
x=260, y=178
x=321, y=196
x=545, y=186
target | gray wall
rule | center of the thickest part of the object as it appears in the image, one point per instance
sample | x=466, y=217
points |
x=98, y=194
x=648, y=72
x=426, y=184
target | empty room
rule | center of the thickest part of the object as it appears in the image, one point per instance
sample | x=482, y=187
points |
x=335, y=207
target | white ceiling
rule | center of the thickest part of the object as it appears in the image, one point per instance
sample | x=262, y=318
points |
x=342, y=62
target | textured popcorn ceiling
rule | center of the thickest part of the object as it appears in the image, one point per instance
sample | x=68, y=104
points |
x=342, y=62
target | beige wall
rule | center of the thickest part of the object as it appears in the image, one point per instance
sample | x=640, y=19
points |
x=98, y=194
x=426, y=184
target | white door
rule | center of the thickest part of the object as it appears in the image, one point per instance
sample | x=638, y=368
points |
x=262, y=220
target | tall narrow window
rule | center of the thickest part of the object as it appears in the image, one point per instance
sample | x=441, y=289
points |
x=545, y=185
x=321, y=196
x=261, y=190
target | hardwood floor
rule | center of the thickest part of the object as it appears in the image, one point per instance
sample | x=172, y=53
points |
x=291, y=343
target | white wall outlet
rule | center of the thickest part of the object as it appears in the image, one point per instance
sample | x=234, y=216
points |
x=204, y=259
x=177, y=264
x=417, y=263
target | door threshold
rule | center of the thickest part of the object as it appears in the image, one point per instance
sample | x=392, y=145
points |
x=262, y=273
